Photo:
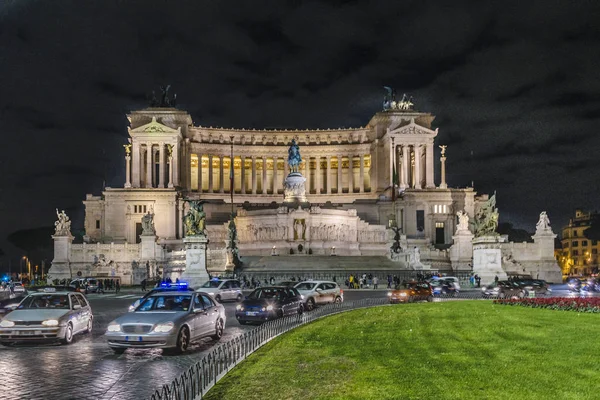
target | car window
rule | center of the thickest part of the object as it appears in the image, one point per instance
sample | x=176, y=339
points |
x=227, y=285
x=198, y=303
x=208, y=302
x=291, y=292
x=305, y=286
x=82, y=300
x=212, y=284
x=321, y=286
x=50, y=301
x=166, y=303
x=235, y=284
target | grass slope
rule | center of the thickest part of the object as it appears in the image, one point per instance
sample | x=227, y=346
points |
x=454, y=350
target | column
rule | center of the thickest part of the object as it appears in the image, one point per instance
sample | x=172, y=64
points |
x=221, y=183
x=318, y=175
x=328, y=180
x=392, y=161
x=243, y=174
x=253, y=174
x=418, y=167
x=199, y=173
x=405, y=166
x=401, y=177
x=148, y=165
x=127, y=170
x=429, y=183
x=350, y=173
x=339, y=174
x=275, y=184
x=181, y=214
x=170, y=185
x=361, y=178
x=264, y=175
x=135, y=161
x=286, y=168
x=307, y=173
x=188, y=163
x=211, y=188
x=175, y=164
x=443, y=184
x=161, y=165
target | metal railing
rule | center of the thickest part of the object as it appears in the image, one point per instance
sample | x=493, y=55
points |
x=204, y=374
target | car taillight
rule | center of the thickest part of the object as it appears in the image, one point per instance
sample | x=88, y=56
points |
x=341, y=292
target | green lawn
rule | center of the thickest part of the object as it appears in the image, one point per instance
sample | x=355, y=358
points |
x=453, y=350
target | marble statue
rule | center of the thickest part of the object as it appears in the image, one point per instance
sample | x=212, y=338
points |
x=148, y=224
x=195, y=219
x=486, y=219
x=463, y=221
x=294, y=158
x=127, y=149
x=63, y=224
x=543, y=223
x=388, y=98
x=443, y=147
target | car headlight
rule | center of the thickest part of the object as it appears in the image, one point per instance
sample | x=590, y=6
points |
x=302, y=296
x=403, y=294
x=164, y=328
x=50, y=322
x=269, y=308
x=114, y=328
x=6, y=324
x=389, y=293
x=483, y=289
x=239, y=307
x=211, y=293
x=496, y=289
x=263, y=309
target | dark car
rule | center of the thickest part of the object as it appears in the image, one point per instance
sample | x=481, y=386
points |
x=269, y=302
x=165, y=287
x=503, y=289
x=411, y=291
x=537, y=286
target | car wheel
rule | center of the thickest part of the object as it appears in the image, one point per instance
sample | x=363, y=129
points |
x=183, y=341
x=239, y=298
x=338, y=300
x=300, y=309
x=430, y=299
x=68, y=339
x=280, y=313
x=218, y=330
x=502, y=295
x=118, y=350
x=310, y=304
x=88, y=329
x=218, y=298
x=242, y=322
x=521, y=295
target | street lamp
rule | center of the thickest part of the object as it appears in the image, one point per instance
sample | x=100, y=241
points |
x=24, y=258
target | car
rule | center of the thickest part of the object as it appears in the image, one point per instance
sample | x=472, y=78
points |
x=223, y=289
x=18, y=288
x=164, y=287
x=409, y=292
x=269, y=302
x=503, y=289
x=319, y=292
x=287, y=283
x=85, y=285
x=443, y=286
x=169, y=320
x=48, y=315
x=10, y=304
x=537, y=286
x=452, y=279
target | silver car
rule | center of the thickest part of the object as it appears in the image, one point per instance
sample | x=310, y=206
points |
x=223, y=289
x=169, y=320
x=47, y=316
x=319, y=292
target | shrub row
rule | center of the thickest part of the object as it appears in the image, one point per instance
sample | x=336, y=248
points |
x=579, y=304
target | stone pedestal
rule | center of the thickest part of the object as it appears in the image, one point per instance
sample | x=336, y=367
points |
x=195, y=273
x=148, y=247
x=461, y=252
x=61, y=264
x=293, y=188
x=547, y=268
x=487, y=259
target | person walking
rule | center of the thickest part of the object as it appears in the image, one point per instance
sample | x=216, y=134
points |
x=496, y=279
x=100, y=286
x=117, y=286
x=143, y=285
x=375, y=282
x=389, y=279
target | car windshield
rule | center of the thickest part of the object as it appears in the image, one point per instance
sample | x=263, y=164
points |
x=212, y=284
x=267, y=293
x=306, y=286
x=50, y=301
x=166, y=303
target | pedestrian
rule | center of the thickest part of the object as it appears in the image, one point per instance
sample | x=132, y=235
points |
x=478, y=278
x=496, y=279
x=100, y=286
x=375, y=282
x=117, y=286
x=389, y=279
x=143, y=285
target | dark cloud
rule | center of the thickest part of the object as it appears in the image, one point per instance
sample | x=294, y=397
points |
x=514, y=85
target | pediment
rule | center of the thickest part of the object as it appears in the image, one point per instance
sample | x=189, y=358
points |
x=154, y=127
x=414, y=129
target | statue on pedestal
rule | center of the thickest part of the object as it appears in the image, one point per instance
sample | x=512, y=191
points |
x=486, y=219
x=463, y=221
x=294, y=158
x=544, y=222
x=148, y=224
x=63, y=224
x=195, y=219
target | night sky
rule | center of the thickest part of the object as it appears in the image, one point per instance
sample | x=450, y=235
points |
x=515, y=87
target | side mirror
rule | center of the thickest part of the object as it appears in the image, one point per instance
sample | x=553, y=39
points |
x=318, y=289
x=199, y=310
x=76, y=306
x=134, y=305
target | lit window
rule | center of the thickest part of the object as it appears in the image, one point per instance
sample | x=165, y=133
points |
x=439, y=224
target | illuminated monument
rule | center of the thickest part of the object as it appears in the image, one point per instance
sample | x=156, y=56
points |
x=365, y=195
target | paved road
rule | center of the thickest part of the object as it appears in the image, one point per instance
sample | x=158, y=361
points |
x=88, y=369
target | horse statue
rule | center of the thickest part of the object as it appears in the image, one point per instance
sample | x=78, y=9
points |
x=294, y=158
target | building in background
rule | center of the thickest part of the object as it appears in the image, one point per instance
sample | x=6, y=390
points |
x=579, y=255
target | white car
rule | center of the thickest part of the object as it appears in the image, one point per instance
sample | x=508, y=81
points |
x=223, y=289
x=319, y=292
x=49, y=315
x=452, y=279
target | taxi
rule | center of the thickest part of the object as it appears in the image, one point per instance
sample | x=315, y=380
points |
x=47, y=315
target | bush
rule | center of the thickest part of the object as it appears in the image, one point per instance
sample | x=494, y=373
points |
x=579, y=304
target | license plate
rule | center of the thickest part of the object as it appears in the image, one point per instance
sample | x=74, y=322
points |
x=139, y=338
x=251, y=313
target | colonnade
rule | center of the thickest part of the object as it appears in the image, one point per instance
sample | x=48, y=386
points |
x=414, y=163
x=151, y=165
x=327, y=174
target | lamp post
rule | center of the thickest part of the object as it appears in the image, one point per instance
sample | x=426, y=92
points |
x=24, y=258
